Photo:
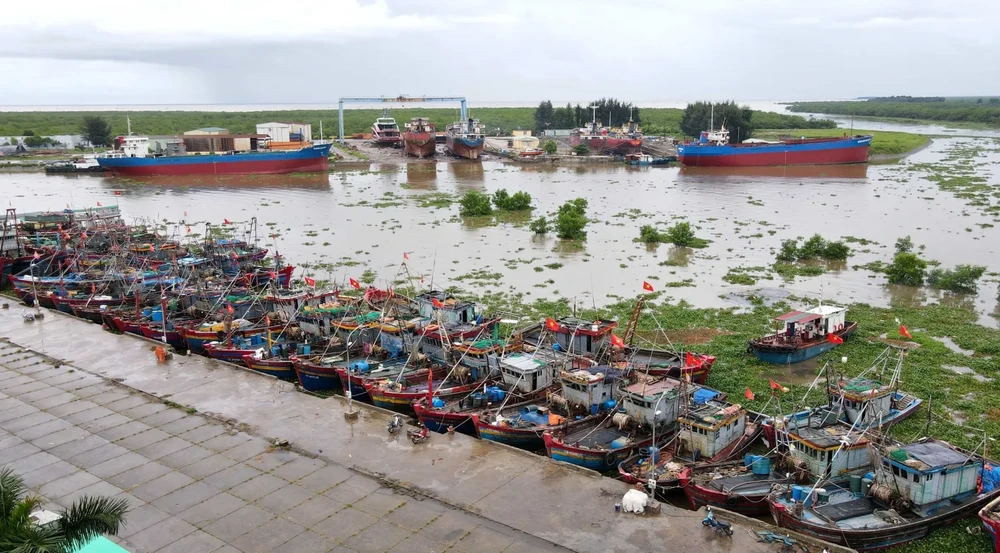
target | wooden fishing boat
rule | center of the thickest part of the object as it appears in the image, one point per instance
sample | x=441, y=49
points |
x=915, y=488
x=355, y=375
x=803, y=335
x=658, y=362
x=990, y=515
x=278, y=367
x=399, y=396
x=317, y=373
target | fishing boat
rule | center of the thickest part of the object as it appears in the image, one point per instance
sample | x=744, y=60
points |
x=354, y=375
x=990, y=515
x=913, y=489
x=465, y=139
x=646, y=160
x=385, y=131
x=866, y=401
x=645, y=407
x=711, y=431
x=802, y=335
x=266, y=363
x=399, y=396
x=418, y=137
x=134, y=159
x=713, y=149
x=598, y=139
x=524, y=377
x=658, y=362
x=317, y=373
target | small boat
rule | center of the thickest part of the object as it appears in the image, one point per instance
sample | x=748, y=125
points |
x=465, y=139
x=644, y=160
x=913, y=489
x=990, y=515
x=317, y=373
x=419, y=138
x=353, y=376
x=385, y=131
x=399, y=396
x=657, y=362
x=534, y=152
x=278, y=367
x=803, y=335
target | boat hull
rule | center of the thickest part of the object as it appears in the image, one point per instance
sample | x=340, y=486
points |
x=440, y=421
x=598, y=460
x=467, y=148
x=311, y=159
x=990, y=515
x=419, y=144
x=608, y=144
x=807, y=152
x=316, y=378
x=750, y=504
x=783, y=354
x=278, y=368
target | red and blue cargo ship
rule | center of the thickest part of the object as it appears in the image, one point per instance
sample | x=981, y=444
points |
x=714, y=150
x=133, y=160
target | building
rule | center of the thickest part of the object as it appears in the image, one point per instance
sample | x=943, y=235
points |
x=207, y=131
x=286, y=131
x=522, y=143
x=520, y=132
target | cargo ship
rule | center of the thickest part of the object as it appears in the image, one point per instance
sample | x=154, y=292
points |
x=133, y=159
x=385, y=131
x=419, y=137
x=627, y=140
x=714, y=150
x=465, y=138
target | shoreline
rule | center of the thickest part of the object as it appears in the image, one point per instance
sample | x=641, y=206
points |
x=884, y=159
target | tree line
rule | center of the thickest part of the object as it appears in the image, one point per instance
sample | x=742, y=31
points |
x=957, y=111
x=607, y=111
x=741, y=121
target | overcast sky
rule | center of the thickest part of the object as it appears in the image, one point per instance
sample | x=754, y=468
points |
x=253, y=51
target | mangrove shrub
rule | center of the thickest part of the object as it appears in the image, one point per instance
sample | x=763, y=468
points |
x=475, y=204
x=550, y=147
x=907, y=268
x=503, y=201
x=539, y=225
x=581, y=149
x=960, y=279
x=572, y=219
x=813, y=248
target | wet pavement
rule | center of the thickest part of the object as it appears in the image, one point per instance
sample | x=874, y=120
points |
x=72, y=422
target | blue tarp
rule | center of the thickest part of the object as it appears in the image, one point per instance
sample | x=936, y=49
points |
x=991, y=478
x=704, y=395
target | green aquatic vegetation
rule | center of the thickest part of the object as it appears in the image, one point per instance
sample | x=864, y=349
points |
x=436, y=200
x=680, y=234
x=539, y=226
x=475, y=204
x=790, y=270
x=571, y=220
x=963, y=278
x=504, y=201
x=814, y=247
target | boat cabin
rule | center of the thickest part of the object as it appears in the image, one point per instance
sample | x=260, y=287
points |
x=649, y=400
x=530, y=372
x=929, y=471
x=863, y=398
x=132, y=146
x=483, y=354
x=584, y=337
x=831, y=451
x=714, y=138
x=450, y=310
x=293, y=302
x=811, y=324
x=711, y=426
x=590, y=388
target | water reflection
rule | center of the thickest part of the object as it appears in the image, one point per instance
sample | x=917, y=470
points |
x=314, y=181
x=467, y=172
x=421, y=176
x=854, y=171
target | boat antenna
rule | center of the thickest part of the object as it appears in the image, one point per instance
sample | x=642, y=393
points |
x=593, y=123
x=711, y=121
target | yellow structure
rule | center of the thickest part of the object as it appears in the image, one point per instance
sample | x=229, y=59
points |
x=521, y=133
x=522, y=143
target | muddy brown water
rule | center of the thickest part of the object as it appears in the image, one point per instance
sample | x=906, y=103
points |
x=367, y=218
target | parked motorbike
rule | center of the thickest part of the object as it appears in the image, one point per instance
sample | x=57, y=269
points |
x=417, y=436
x=720, y=526
x=394, y=424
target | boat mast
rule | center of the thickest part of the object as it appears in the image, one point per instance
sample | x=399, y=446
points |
x=711, y=121
x=593, y=123
x=128, y=126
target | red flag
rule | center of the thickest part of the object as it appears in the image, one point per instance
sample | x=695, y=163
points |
x=83, y=236
x=229, y=309
x=834, y=339
x=185, y=213
x=99, y=204
x=436, y=303
x=647, y=286
x=234, y=256
x=406, y=255
x=749, y=394
x=93, y=288
x=118, y=192
x=355, y=284
x=775, y=385
x=267, y=320
x=552, y=325
x=904, y=332
x=310, y=281
x=617, y=341
x=272, y=274
x=689, y=360
x=35, y=256
x=226, y=222
x=189, y=229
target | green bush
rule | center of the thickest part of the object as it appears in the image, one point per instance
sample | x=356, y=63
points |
x=475, y=204
x=572, y=219
x=649, y=235
x=960, y=279
x=681, y=234
x=789, y=250
x=539, y=225
x=503, y=201
x=581, y=149
x=907, y=268
x=904, y=245
x=550, y=147
x=811, y=249
x=836, y=251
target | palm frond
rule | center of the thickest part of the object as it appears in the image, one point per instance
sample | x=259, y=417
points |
x=12, y=488
x=20, y=515
x=34, y=539
x=90, y=517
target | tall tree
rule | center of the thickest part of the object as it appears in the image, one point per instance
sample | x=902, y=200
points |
x=96, y=130
x=699, y=117
x=580, y=116
x=543, y=116
x=87, y=518
x=564, y=118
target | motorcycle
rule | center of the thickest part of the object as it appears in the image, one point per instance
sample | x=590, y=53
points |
x=394, y=424
x=417, y=436
x=719, y=526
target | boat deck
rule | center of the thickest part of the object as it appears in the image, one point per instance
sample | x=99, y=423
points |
x=594, y=438
x=748, y=484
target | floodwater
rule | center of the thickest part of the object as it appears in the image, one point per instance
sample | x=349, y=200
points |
x=353, y=220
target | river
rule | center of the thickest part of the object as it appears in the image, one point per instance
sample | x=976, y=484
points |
x=350, y=220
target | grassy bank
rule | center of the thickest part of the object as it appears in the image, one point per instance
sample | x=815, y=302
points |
x=965, y=110
x=655, y=121
x=884, y=142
